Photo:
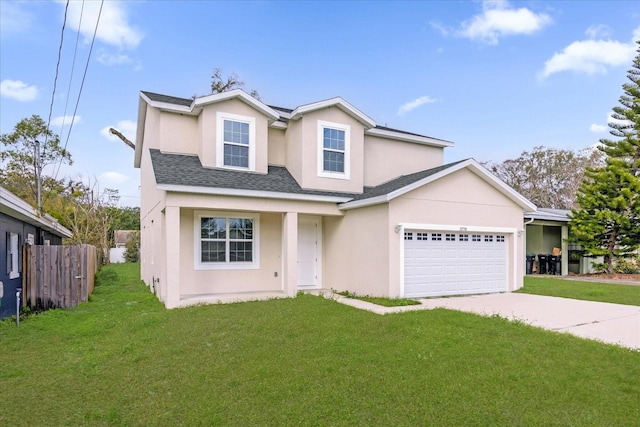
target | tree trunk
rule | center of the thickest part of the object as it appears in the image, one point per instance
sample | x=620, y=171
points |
x=608, y=264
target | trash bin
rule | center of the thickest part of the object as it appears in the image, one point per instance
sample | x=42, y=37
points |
x=530, y=260
x=558, y=265
x=552, y=260
x=542, y=263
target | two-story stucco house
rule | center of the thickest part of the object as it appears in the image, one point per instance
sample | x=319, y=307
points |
x=241, y=200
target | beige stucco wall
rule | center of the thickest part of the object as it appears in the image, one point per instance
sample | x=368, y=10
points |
x=277, y=144
x=151, y=204
x=293, y=149
x=460, y=199
x=386, y=159
x=178, y=133
x=251, y=204
x=207, y=121
x=356, y=251
x=306, y=133
x=268, y=277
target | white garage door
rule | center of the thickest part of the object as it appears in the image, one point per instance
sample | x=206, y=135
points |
x=447, y=263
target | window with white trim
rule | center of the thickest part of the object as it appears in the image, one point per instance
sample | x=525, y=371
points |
x=475, y=238
x=226, y=240
x=408, y=235
x=436, y=236
x=450, y=237
x=463, y=237
x=334, y=140
x=422, y=236
x=499, y=238
x=488, y=238
x=235, y=141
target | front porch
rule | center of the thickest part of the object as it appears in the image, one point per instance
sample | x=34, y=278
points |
x=283, y=253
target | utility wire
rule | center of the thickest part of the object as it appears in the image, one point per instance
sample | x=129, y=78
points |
x=95, y=31
x=55, y=80
x=73, y=67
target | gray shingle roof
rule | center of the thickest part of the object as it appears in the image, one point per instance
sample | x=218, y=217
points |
x=178, y=169
x=400, y=182
x=186, y=170
x=168, y=99
x=186, y=102
x=407, y=133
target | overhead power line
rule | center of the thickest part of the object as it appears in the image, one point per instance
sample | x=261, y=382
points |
x=55, y=79
x=73, y=67
x=84, y=76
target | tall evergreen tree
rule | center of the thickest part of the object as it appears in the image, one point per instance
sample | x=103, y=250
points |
x=607, y=221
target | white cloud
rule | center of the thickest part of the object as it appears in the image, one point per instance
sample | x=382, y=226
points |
x=126, y=127
x=113, y=29
x=109, y=59
x=590, y=57
x=498, y=20
x=18, y=90
x=111, y=177
x=412, y=105
x=445, y=31
x=66, y=120
x=596, y=128
x=13, y=19
x=598, y=31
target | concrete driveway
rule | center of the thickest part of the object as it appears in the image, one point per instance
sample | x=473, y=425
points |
x=606, y=322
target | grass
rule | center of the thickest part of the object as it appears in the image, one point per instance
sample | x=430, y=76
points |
x=124, y=360
x=590, y=291
x=385, y=302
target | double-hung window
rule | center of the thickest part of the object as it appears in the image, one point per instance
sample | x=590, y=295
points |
x=235, y=141
x=333, y=150
x=226, y=240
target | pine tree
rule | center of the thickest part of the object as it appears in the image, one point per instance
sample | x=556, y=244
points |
x=607, y=222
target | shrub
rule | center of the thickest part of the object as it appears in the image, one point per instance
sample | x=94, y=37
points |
x=627, y=266
x=132, y=251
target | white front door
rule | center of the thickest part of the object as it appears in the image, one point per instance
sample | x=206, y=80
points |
x=309, y=241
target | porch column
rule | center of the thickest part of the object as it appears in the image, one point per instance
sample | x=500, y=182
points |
x=290, y=253
x=172, y=256
x=565, y=250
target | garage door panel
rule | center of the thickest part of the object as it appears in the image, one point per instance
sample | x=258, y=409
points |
x=447, y=263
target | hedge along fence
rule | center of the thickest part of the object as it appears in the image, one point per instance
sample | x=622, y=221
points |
x=58, y=276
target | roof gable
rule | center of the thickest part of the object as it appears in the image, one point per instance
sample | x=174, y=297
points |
x=388, y=191
x=333, y=102
x=194, y=106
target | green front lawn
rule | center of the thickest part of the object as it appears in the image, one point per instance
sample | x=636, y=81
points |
x=590, y=291
x=124, y=360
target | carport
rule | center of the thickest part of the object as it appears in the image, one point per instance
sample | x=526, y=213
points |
x=546, y=229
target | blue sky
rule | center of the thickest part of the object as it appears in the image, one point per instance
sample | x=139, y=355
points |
x=494, y=77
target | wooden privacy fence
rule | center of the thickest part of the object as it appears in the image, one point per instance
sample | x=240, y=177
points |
x=58, y=276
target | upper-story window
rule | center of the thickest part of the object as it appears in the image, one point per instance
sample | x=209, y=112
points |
x=235, y=141
x=333, y=150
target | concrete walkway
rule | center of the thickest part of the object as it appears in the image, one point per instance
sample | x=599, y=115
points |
x=601, y=321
